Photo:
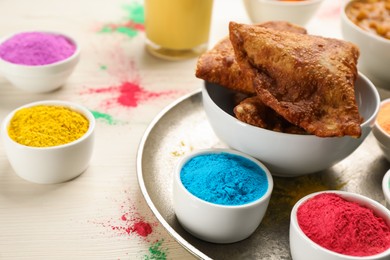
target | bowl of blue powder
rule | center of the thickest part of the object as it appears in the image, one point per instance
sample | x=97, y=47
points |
x=221, y=195
x=38, y=61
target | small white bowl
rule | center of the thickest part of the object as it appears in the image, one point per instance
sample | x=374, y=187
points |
x=303, y=248
x=374, y=59
x=287, y=154
x=386, y=188
x=53, y=164
x=40, y=78
x=381, y=136
x=214, y=222
x=296, y=12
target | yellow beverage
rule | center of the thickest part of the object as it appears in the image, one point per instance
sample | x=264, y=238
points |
x=177, y=28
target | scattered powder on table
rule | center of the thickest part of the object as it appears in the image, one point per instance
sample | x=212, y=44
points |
x=343, y=226
x=44, y=126
x=36, y=48
x=127, y=94
x=156, y=252
x=133, y=24
x=104, y=117
x=224, y=178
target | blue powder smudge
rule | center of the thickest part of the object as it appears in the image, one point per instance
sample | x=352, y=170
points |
x=224, y=178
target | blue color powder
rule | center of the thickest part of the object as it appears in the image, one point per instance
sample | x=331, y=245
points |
x=224, y=178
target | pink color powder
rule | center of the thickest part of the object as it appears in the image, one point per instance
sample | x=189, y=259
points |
x=342, y=226
x=36, y=48
x=129, y=94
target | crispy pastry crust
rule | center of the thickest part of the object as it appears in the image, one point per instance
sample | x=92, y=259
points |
x=309, y=80
x=253, y=111
x=219, y=64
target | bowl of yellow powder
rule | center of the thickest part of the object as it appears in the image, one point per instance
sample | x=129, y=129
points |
x=49, y=141
x=381, y=129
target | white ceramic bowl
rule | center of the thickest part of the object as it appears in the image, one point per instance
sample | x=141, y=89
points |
x=287, y=154
x=374, y=60
x=41, y=78
x=303, y=248
x=214, y=222
x=53, y=164
x=386, y=188
x=382, y=137
x=296, y=12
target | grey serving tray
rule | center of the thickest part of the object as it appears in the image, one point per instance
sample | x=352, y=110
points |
x=183, y=127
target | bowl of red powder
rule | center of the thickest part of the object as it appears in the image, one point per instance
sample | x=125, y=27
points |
x=221, y=195
x=381, y=129
x=339, y=225
x=38, y=61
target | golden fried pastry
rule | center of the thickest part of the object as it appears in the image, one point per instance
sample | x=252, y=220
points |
x=253, y=111
x=219, y=65
x=309, y=80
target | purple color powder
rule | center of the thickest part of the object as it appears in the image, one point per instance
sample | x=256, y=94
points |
x=36, y=48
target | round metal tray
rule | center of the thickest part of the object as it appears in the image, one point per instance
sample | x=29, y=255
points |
x=183, y=127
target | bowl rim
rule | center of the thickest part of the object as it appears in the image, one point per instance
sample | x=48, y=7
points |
x=386, y=186
x=377, y=125
x=377, y=207
x=71, y=105
x=183, y=160
x=74, y=55
x=370, y=35
x=291, y=3
x=363, y=124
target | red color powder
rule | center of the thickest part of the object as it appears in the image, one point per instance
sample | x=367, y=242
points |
x=131, y=224
x=129, y=94
x=342, y=226
x=142, y=228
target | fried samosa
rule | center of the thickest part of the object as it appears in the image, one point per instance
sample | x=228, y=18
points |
x=308, y=80
x=219, y=65
x=253, y=111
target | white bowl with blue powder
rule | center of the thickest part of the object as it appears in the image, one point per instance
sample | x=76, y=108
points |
x=221, y=195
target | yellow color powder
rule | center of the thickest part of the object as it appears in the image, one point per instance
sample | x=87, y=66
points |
x=44, y=126
x=383, y=117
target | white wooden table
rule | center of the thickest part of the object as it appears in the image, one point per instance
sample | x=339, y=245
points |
x=92, y=216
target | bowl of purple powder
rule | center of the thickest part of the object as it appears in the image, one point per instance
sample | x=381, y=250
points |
x=38, y=61
x=339, y=225
x=221, y=195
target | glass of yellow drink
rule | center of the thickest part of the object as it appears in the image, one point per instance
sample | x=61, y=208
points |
x=177, y=29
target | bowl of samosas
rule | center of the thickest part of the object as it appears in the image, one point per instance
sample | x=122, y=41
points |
x=367, y=24
x=299, y=106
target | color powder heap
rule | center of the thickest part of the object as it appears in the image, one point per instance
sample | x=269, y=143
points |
x=140, y=227
x=224, y=178
x=44, y=126
x=36, y=48
x=343, y=226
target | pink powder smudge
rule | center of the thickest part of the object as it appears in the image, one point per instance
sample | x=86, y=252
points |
x=130, y=222
x=128, y=94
